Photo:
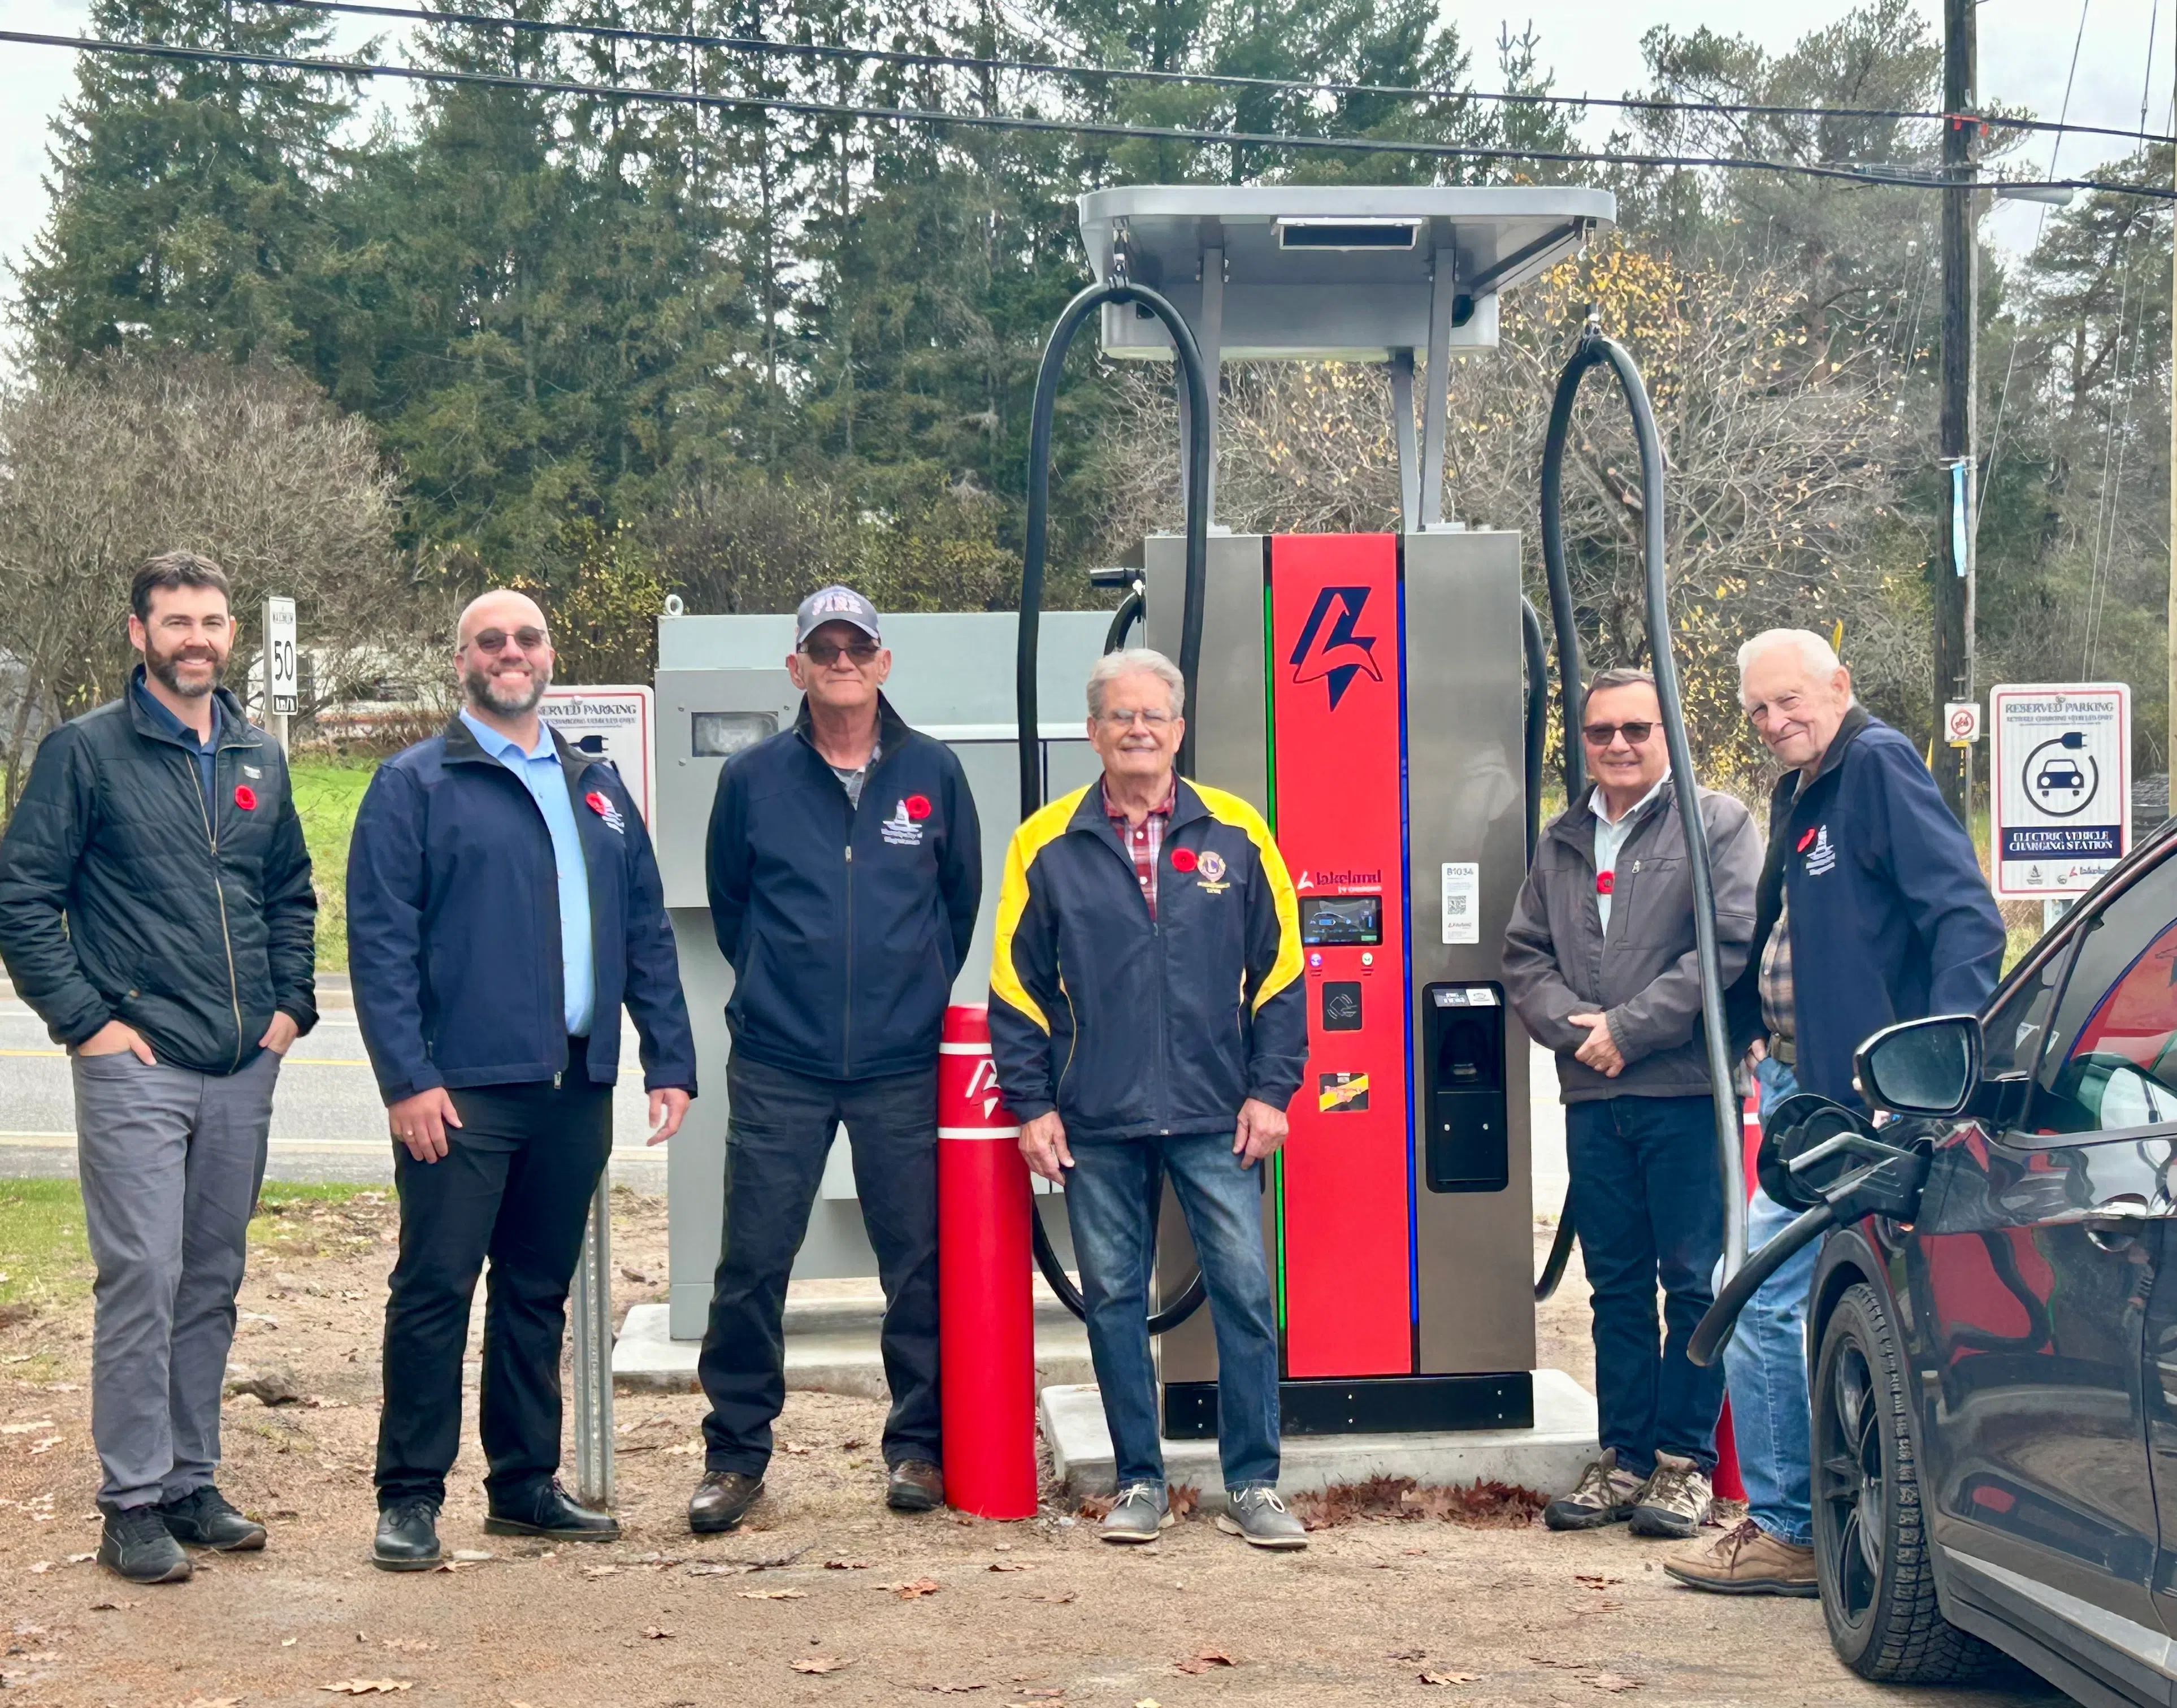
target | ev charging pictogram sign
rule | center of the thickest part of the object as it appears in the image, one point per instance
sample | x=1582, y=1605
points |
x=613, y=723
x=2060, y=770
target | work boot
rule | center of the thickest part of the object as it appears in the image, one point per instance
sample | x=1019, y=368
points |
x=203, y=1519
x=916, y=1485
x=722, y=1500
x=137, y=1545
x=1140, y=1514
x=1603, y=1495
x=1255, y=1515
x=551, y=1511
x=1747, y=1561
x=407, y=1539
x=1677, y=1501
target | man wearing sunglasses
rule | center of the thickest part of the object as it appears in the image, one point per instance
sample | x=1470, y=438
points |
x=845, y=867
x=1599, y=963
x=503, y=906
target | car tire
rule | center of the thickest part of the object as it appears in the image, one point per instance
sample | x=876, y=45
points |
x=1871, y=1545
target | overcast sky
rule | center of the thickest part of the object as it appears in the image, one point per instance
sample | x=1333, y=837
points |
x=2025, y=49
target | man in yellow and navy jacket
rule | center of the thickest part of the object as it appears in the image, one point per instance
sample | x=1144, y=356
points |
x=1147, y=1019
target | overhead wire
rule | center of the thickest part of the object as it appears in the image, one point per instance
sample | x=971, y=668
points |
x=1408, y=148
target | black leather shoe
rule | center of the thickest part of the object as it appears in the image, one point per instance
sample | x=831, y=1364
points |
x=407, y=1538
x=722, y=1500
x=553, y=1512
x=203, y=1518
x=137, y=1545
x=916, y=1485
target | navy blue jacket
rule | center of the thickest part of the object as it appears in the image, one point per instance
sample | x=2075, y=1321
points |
x=1889, y=918
x=453, y=925
x=844, y=928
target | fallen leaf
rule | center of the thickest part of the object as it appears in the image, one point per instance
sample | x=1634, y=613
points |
x=367, y=1687
x=955, y=1689
x=1405, y=1655
x=819, y=1663
x=853, y=1442
x=656, y=1631
x=848, y=1565
x=1595, y=1581
x=794, y=1447
x=1205, y=1661
x=1057, y=1598
x=1614, y=1682
x=774, y=1595
x=78, y=1559
x=912, y=1590
x=287, y=1642
x=1011, y=1566
x=1450, y=1677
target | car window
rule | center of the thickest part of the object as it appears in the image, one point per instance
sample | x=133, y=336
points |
x=2017, y=1025
x=2111, y=1063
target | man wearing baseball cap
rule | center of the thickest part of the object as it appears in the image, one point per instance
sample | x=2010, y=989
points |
x=845, y=867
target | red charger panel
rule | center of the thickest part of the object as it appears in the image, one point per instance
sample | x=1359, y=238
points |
x=1335, y=665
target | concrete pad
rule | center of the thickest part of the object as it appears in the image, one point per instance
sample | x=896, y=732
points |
x=1550, y=1456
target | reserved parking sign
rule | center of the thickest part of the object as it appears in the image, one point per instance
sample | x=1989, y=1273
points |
x=2061, y=768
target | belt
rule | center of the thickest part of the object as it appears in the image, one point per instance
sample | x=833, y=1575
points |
x=1782, y=1049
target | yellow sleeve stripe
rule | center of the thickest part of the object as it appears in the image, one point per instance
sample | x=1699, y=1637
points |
x=1230, y=809
x=1038, y=833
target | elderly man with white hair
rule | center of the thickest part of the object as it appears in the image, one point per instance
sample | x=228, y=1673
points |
x=1872, y=908
x=1146, y=1021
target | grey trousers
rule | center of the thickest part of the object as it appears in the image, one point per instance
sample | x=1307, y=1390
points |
x=171, y=1161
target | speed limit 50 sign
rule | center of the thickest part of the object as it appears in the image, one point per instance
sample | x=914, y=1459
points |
x=2060, y=776
x=283, y=669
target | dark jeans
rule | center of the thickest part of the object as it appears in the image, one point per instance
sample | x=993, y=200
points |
x=779, y=1132
x=514, y=1186
x=1647, y=1197
x=1111, y=1193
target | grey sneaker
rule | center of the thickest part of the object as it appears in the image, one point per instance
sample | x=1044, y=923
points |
x=1140, y=1514
x=1604, y=1495
x=1257, y=1515
x=1677, y=1501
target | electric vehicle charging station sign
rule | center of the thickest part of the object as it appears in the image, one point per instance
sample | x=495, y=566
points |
x=613, y=723
x=2060, y=766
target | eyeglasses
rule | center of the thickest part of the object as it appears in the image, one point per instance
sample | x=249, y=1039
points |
x=828, y=652
x=1602, y=734
x=490, y=641
x=1126, y=720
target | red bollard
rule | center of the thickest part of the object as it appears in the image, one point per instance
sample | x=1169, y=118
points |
x=1726, y=1480
x=985, y=1311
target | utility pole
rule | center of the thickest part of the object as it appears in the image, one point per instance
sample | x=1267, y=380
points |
x=2169, y=749
x=1954, y=565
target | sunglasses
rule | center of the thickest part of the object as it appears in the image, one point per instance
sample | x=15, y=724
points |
x=828, y=652
x=1602, y=734
x=490, y=641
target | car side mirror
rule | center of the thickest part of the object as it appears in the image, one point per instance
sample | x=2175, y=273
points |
x=1928, y=1067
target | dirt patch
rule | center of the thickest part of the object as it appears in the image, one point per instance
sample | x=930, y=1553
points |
x=805, y=1605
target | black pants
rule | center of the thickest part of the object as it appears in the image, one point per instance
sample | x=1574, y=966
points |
x=514, y=1186
x=778, y=1132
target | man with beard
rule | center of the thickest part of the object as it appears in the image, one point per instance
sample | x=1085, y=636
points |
x=504, y=904
x=156, y=910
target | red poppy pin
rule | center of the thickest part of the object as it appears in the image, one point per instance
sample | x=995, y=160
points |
x=597, y=802
x=917, y=806
x=1805, y=842
x=1182, y=859
x=245, y=797
x=1605, y=882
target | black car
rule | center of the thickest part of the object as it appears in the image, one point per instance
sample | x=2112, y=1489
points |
x=1993, y=1366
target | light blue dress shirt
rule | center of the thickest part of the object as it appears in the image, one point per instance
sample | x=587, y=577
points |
x=540, y=774
x=1610, y=837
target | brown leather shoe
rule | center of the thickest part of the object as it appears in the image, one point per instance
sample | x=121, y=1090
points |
x=722, y=1501
x=916, y=1485
x=1746, y=1560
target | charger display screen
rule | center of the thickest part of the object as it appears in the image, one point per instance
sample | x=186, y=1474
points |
x=1341, y=919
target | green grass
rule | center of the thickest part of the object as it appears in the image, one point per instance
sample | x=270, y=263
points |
x=44, y=1259
x=327, y=792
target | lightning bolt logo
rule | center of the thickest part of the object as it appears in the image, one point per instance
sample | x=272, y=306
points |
x=1343, y=655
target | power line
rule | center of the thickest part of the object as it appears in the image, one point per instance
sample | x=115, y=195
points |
x=968, y=62
x=1897, y=178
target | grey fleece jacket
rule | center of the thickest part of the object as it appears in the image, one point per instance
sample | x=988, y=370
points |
x=1645, y=976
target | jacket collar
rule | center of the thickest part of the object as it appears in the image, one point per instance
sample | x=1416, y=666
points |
x=1575, y=827
x=1088, y=814
x=463, y=748
x=1857, y=718
x=892, y=729
x=234, y=729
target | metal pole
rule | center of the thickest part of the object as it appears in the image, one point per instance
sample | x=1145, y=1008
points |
x=593, y=1327
x=2170, y=751
x=1961, y=292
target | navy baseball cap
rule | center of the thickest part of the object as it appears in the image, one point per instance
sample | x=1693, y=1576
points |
x=834, y=605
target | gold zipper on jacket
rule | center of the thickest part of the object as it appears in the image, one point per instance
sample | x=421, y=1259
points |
x=211, y=836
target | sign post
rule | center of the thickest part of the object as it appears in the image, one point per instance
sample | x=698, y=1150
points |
x=612, y=724
x=282, y=668
x=2060, y=777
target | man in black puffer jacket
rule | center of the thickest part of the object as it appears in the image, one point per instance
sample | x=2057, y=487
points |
x=156, y=910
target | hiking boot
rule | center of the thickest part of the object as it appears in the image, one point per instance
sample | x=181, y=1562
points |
x=1603, y=1495
x=1677, y=1501
x=203, y=1518
x=137, y=1545
x=407, y=1539
x=1257, y=1516
x=552, y=1512
x=1140, y=1514
x=722, y=1500
x=915, y=1484
x=1747, y=1561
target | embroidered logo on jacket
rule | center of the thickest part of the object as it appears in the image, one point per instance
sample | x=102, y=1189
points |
x=1822, y=857
x=903, y=829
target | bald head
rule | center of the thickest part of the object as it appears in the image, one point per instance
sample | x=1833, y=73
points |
x=502, y=608
x=503, y=654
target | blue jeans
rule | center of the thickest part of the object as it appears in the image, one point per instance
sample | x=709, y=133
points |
x=1765, y=1364
x=1647, y=1198
x=1111, y=1192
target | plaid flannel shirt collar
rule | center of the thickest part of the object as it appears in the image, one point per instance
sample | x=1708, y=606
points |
x=1144, y=842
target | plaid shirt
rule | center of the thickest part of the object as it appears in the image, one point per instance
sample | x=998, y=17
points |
x=1776, y=981
x=1144, y=840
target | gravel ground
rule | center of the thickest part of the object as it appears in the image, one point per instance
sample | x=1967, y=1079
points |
x=824, y=1597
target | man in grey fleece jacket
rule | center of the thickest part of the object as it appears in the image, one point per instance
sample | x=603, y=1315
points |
x=1600, y=964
